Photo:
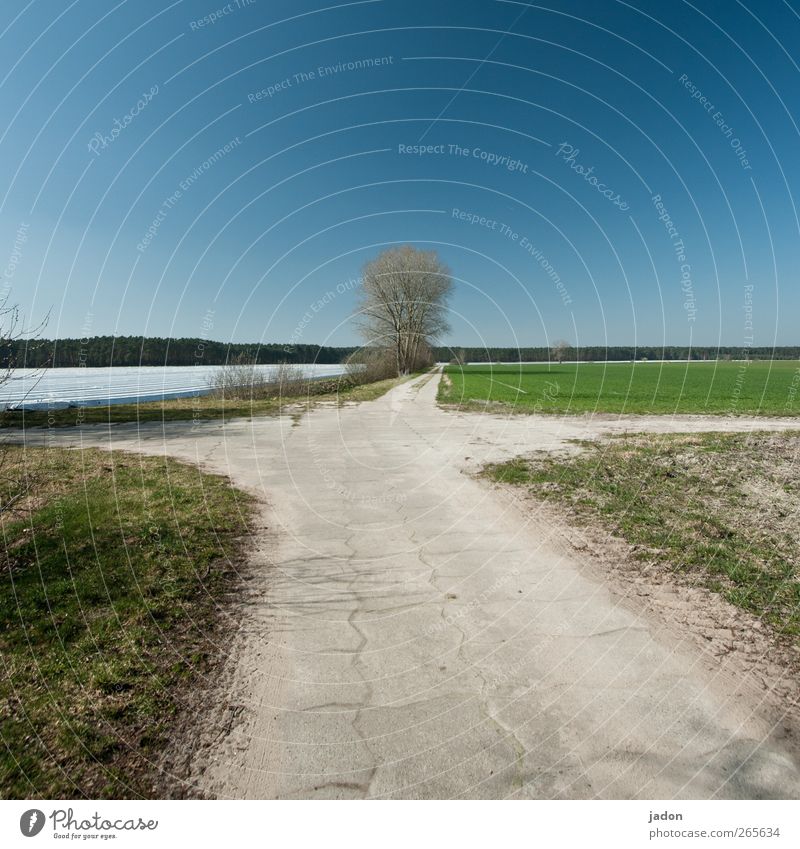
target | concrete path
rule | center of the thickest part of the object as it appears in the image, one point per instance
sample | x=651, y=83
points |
x=409, y=632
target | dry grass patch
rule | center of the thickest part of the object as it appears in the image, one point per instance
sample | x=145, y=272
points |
x=115, y=571
x=722, y=511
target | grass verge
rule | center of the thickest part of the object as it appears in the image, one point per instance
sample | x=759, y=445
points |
x=201, y=407
x=721, y=510
x=113, y=568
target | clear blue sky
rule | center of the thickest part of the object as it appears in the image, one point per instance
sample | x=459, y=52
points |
x=123, y=211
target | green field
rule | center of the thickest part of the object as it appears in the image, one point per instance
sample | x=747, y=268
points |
x=759, y=387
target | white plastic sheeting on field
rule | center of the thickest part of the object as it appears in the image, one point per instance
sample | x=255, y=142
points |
x=74, y=387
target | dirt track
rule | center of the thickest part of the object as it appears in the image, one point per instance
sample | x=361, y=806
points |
x=408, y=631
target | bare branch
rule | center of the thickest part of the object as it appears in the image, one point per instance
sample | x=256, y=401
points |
x=404, y=303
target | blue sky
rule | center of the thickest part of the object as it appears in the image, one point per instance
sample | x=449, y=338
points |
x=604, y=172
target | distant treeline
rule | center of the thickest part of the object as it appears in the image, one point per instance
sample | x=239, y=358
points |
x=138, y=351
x=597, y=353
x=156, y=351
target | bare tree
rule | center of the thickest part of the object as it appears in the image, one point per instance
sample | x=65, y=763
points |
x=13, y=332
x=15, y=479
x=403, y=305
x=559, y=350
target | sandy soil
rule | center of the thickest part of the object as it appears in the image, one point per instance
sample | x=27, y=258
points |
x=408, y=630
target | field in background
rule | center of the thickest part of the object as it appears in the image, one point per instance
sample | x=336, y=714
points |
x=56, y=388
x=719, y=388
x=201, y=407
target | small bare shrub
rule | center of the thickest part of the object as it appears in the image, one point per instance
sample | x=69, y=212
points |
x=247, y=381
x=288, y=379
x=369, y=365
